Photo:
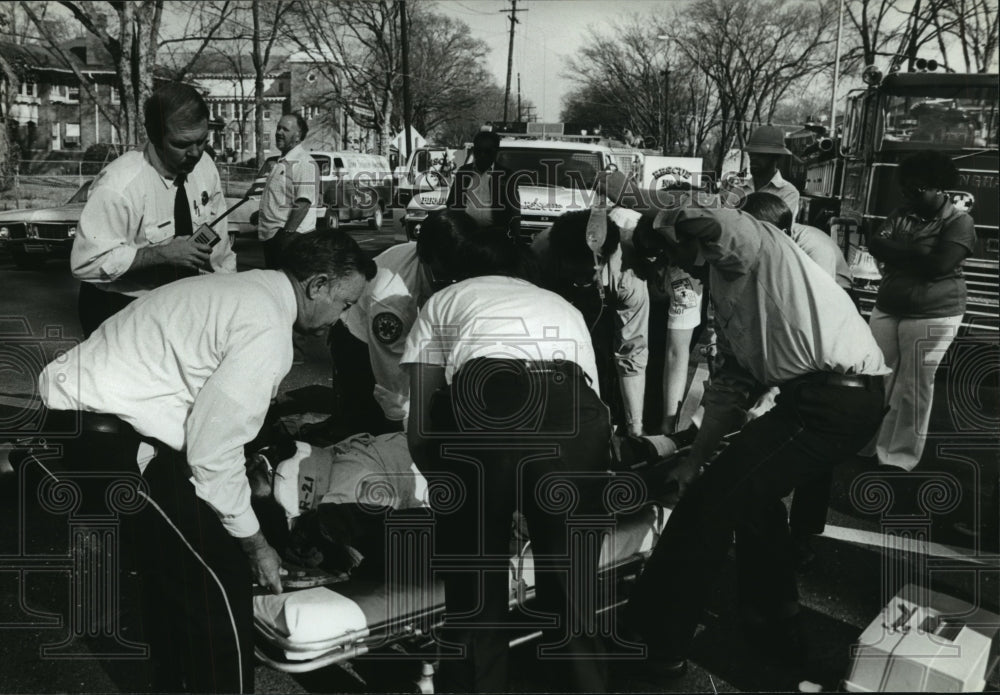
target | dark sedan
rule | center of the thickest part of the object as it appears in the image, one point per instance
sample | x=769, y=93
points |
x=33, y=236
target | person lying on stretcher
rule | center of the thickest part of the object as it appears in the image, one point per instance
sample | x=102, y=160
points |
x=325, y=508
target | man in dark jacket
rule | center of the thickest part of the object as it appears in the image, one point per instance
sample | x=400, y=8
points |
x=483, y=189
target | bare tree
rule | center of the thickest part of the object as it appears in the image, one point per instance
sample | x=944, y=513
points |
x=874, y=30
x=130, y=33
x=974, y=25
x=754, y=52
x=10, y=76
x=620, y=78
x=267, y=18
x=16, y=27
x=355, y=47
x=448, y=74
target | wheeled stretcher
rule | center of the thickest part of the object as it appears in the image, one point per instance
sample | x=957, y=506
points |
x=303, y=630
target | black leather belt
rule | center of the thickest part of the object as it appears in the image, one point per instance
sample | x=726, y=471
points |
x=857, y=381
x=106, y=424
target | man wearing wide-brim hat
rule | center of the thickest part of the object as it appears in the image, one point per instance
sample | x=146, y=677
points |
x=766, y=147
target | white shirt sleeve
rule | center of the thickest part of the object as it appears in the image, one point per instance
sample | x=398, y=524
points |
x=223, y=258
x=228, y=412
x=423, y=344
x=305, y=180
x=104, y=247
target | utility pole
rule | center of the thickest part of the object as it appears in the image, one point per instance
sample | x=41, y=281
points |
x=666, y=111
x=404, y=39
x=510, y=53
x=519, y=97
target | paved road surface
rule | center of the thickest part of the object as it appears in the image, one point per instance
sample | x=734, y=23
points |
x=842, y=591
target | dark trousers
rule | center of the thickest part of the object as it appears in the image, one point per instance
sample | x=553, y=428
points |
x=498, y=466
x=813, y=427
x=272, y=251
x=807, y=516
x=196, y=645
x=95, y=306
x=354, y=403
x=193, y=646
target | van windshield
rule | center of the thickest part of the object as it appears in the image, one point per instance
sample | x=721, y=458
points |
x=564, y=168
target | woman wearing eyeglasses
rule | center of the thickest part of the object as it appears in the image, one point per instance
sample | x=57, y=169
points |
x=921, y=299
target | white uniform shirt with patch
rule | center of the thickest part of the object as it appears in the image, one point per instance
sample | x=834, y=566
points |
x=502, y=318
x=383, y=317
x=194, y=365
x=131, y=206
x=295, y=176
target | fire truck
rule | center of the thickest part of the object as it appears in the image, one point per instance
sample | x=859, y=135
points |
x=850, y=185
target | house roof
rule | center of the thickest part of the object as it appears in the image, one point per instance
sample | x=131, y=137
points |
x=37, y=57
x=216, y=64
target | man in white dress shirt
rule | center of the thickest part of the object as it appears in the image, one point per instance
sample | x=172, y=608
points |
x=177, y=383
x=292, y=191
x=136, y=229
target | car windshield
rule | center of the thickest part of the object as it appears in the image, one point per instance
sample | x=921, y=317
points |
x=565, y=168
x=81, y=194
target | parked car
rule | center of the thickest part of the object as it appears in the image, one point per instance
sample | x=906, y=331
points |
x=356, y=186
x=32, y=237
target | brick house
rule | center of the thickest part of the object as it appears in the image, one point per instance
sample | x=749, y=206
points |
x=50, y=111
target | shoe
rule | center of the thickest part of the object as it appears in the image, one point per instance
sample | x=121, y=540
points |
x=802, y=553
x=685, y=437
x=654, y=671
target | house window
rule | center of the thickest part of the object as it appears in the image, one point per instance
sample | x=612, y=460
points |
x=73, y=94
x=28, y=89
x=116, y=98
x=267, y=114
x=56, y=137
x=267, y=141
x=72, y=139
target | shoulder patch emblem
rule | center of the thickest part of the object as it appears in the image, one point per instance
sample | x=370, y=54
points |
x=387, y=327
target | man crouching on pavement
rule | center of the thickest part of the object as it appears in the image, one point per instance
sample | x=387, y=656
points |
x=175, y=385
x=781, y=321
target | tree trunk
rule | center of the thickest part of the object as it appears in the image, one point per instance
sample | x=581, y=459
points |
x=258, y=86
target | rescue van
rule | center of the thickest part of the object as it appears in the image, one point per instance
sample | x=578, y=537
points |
x=556, y=175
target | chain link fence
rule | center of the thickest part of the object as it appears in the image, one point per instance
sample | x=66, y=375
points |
x=53, y=183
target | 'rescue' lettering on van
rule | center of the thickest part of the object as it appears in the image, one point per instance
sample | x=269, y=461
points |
x=537, y=205
x=677, y=171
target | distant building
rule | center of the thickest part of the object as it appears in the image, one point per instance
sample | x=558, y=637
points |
x=50, y=111
x=227, y=83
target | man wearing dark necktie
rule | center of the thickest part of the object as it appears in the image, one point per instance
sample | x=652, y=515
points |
x=136, y=230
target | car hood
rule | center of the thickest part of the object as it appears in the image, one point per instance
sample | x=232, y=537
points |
x=535, y=200
x=62, y=213
x=555, y=200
